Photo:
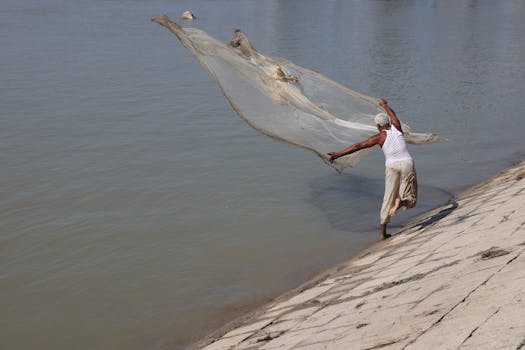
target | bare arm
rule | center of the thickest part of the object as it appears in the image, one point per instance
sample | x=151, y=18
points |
x=370, y=142
x=393, y=117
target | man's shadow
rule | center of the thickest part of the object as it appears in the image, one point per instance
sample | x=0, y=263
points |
x=437, y=216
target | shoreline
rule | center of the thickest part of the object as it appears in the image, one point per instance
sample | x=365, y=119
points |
x=255, y=321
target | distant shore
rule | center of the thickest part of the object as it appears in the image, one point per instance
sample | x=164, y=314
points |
x=401, y=293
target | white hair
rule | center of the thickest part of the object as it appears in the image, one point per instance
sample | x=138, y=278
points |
x=382, y=119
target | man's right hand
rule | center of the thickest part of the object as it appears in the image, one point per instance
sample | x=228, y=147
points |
x=333, y=156
x=382, y=102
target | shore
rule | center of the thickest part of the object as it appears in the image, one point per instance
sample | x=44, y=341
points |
x=452, y=279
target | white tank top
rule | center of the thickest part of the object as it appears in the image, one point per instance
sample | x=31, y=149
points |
x=395, y=146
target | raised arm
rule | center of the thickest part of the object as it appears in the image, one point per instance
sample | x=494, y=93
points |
x=393, y=117
x=370, y=142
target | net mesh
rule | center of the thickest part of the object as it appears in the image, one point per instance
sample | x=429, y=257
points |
x=285, y=101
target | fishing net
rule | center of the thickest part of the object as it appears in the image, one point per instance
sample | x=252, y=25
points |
x=285, y=101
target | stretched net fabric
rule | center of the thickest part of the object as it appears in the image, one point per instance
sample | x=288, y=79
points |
x=285, y=101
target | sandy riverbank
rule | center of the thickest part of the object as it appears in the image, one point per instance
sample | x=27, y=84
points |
x=453, y=278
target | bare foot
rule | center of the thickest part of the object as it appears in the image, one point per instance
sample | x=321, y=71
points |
x=395, y=207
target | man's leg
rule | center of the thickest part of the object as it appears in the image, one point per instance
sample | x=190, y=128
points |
x=383, y=232
x=395, y=207
x=408, y=185
x=407, y=196
x=391, y=192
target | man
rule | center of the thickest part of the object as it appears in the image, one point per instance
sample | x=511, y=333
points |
x=400, y=174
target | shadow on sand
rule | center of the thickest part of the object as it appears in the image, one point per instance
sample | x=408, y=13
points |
x=437, y=216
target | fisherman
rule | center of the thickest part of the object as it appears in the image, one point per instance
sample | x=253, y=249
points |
x=400, y=174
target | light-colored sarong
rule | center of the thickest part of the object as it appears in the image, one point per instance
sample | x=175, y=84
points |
x=400, y=181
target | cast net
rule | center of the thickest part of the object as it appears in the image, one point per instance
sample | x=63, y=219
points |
x=285, y=101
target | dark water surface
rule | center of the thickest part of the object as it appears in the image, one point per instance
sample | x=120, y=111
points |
x=137, y=211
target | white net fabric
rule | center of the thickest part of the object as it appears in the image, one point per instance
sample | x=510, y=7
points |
x=314, y=112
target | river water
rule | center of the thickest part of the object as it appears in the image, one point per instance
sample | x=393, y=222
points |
x=137, y=211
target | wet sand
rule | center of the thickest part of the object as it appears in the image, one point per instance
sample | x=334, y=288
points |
x=452, y=278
